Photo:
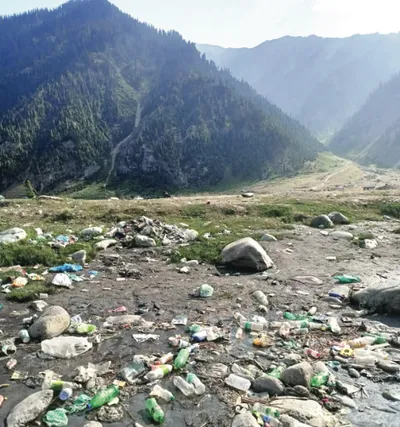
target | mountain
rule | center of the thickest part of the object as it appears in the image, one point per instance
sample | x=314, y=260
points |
x=91, y=94
x=372, y=135
x=320, y=81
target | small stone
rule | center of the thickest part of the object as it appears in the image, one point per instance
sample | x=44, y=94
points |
x=319, y=367
x=292, y=359
x=268, y=238
x=354, y=373
x=104, y=244
x=342, y=235
x=184, y=270
x=92, y=231
x=192, y=262
x=331, y=258
x=338, y=218
x=39, y=305
x=391, y=395
x=301, y=390
x=52, y=323
x=389, y=367
x=93, y=424
x=79, y=257
x=270, y=385
x=245, y=420
x=308, y=280
x=299, y=374
x=144, y=241
x=166, y=241
x=368, y=244
x=324, y=232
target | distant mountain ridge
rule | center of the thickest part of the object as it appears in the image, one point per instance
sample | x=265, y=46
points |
x=77, y=80
x=321, y=82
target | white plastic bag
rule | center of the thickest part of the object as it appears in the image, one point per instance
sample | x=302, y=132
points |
x=66, y=347
x=62, y=279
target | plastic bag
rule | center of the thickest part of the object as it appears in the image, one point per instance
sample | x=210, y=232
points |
x=206, y=291
x=79, y=405
x=66, y=268
x=62, y=279
x=66, y=347
x=347, y=278
x=56, y=418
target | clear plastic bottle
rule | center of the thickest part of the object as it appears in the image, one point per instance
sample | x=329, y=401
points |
x=103, y=396
x=237, y=382
x=361, y=342
x=162, y=393
x=334, y=325
x=261, y=298
x=160, y=372
x=365, y=357
x=186, y=388
x=284, y=330
x=155, y=411
x=239, y=317
x=169, y=357
x=199, y=387
x=251, y=326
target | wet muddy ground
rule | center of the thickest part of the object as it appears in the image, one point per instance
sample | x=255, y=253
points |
x=165, y=293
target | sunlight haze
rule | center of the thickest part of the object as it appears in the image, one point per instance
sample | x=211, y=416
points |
x=247, y=23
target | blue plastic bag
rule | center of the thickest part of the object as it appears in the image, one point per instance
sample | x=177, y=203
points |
x=66, y=268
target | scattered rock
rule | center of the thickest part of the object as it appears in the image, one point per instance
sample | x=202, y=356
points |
x=319, y=367
x=192, y=262
x=368, y=244
x=246, y=254
x=292, y=359
x=345, y=235
x=338, y=218
x=245, y=420
x=268, y=238
x=39, y=305
x=92, y=231
x=354, y=373
x=52, y=323
x=184, y=270
x=190, y=235
x=104, y=244
x=387, y=366
x=308, y=280
x=79, y=257
x=299, y=374
x=12, y=235
x=269, y=385
x=322, y=221
x=346, y=401
x=288, y=421
x=383, y=297
x=391, y=395
x=30, y=408
x=144, y=241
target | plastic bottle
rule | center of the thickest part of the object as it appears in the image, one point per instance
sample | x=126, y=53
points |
x=361, y=342
x=162, y=393
x=365, y=357
x=66, y=393
x=186, y=388
x=277, y=372
x=320, y=379
x=239, y=317
x=192, y=329
x=312, y=353
x=182, y=358
x=160, y=372
x=317, y=326
x=272, y=412
x=155, y=411
x=292, y=316
x=312, y=311
x=103, y=396
x=261, y=298
x=380, y=340
x=284, y=330
x=299, y=331
x=200, y=336
x=199, y=387
x=166, y=358
x=251, y=326
x=333, y=325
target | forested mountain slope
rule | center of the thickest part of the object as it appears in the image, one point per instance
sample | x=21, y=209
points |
x=74, y=79
x=320, y=81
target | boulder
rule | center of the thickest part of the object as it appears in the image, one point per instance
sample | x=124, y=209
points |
x=39, y=305
x=144, y=241
x=269, y=385
x=299, y=374
x=245, y=420
x=368, y=244
x=288, y=421
x=30, y=408
x=79, y=257
x=246, y=254
x=338, y=218
x=383, y=297
x=268, y=238
x=322, y=221
x=92, y=231
x=104, y=244
x=12, y=235
x=52, y=323
x=308, y=412
x=342, y=235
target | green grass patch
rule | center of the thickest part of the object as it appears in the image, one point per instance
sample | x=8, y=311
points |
x=205, y=250
x=31, y=292
x=391, y=209
x=365, y=236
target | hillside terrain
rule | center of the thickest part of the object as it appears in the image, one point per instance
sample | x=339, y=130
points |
x=321, y=82
x=78, y=80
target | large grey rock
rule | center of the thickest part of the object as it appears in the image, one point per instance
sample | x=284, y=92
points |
x=52, y=323
x=268, y=238
x=269, y=385
x=144, y=241
x=79, y=257
x=342, y=235
x=383, y=297
x=299, y=374
x=321, y=221
x=245, y=420
x=288, y=421
x=246, y=254
x=12, y=235
x=307, y=412
x=29, y=409
x=338, y=218
x=104, y=244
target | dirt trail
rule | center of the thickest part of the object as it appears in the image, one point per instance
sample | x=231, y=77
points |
x=116, y=149
x=331, y=175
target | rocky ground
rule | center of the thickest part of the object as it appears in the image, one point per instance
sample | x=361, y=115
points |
x=144, y=281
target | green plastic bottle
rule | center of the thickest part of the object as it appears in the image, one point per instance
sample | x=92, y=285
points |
x=193, y=329
x=272, y=412
x=291, y=316
x=182, y=358
x=155, y=411
x=380, y=340
x=103, y=396
x=320, y=379
x=277, y=372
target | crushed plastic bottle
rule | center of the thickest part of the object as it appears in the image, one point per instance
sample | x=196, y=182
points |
x=361, y=342
x=272, y=412
x=131, y=372
x=292, y=316
x=320, y=379
x=312, y=353
x=347, y=278
x=199, y=387
x=155, y=411
x=182, y=358
x=182, y=385
x=160, y=372
x=284, y=330
x=334, y=325
x=277, y=372
x=251, y=326
x=261, y=298
x=237, y=382
x=103, y=397
x=162, y=393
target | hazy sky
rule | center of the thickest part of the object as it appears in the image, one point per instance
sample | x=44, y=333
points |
x=236, y=23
